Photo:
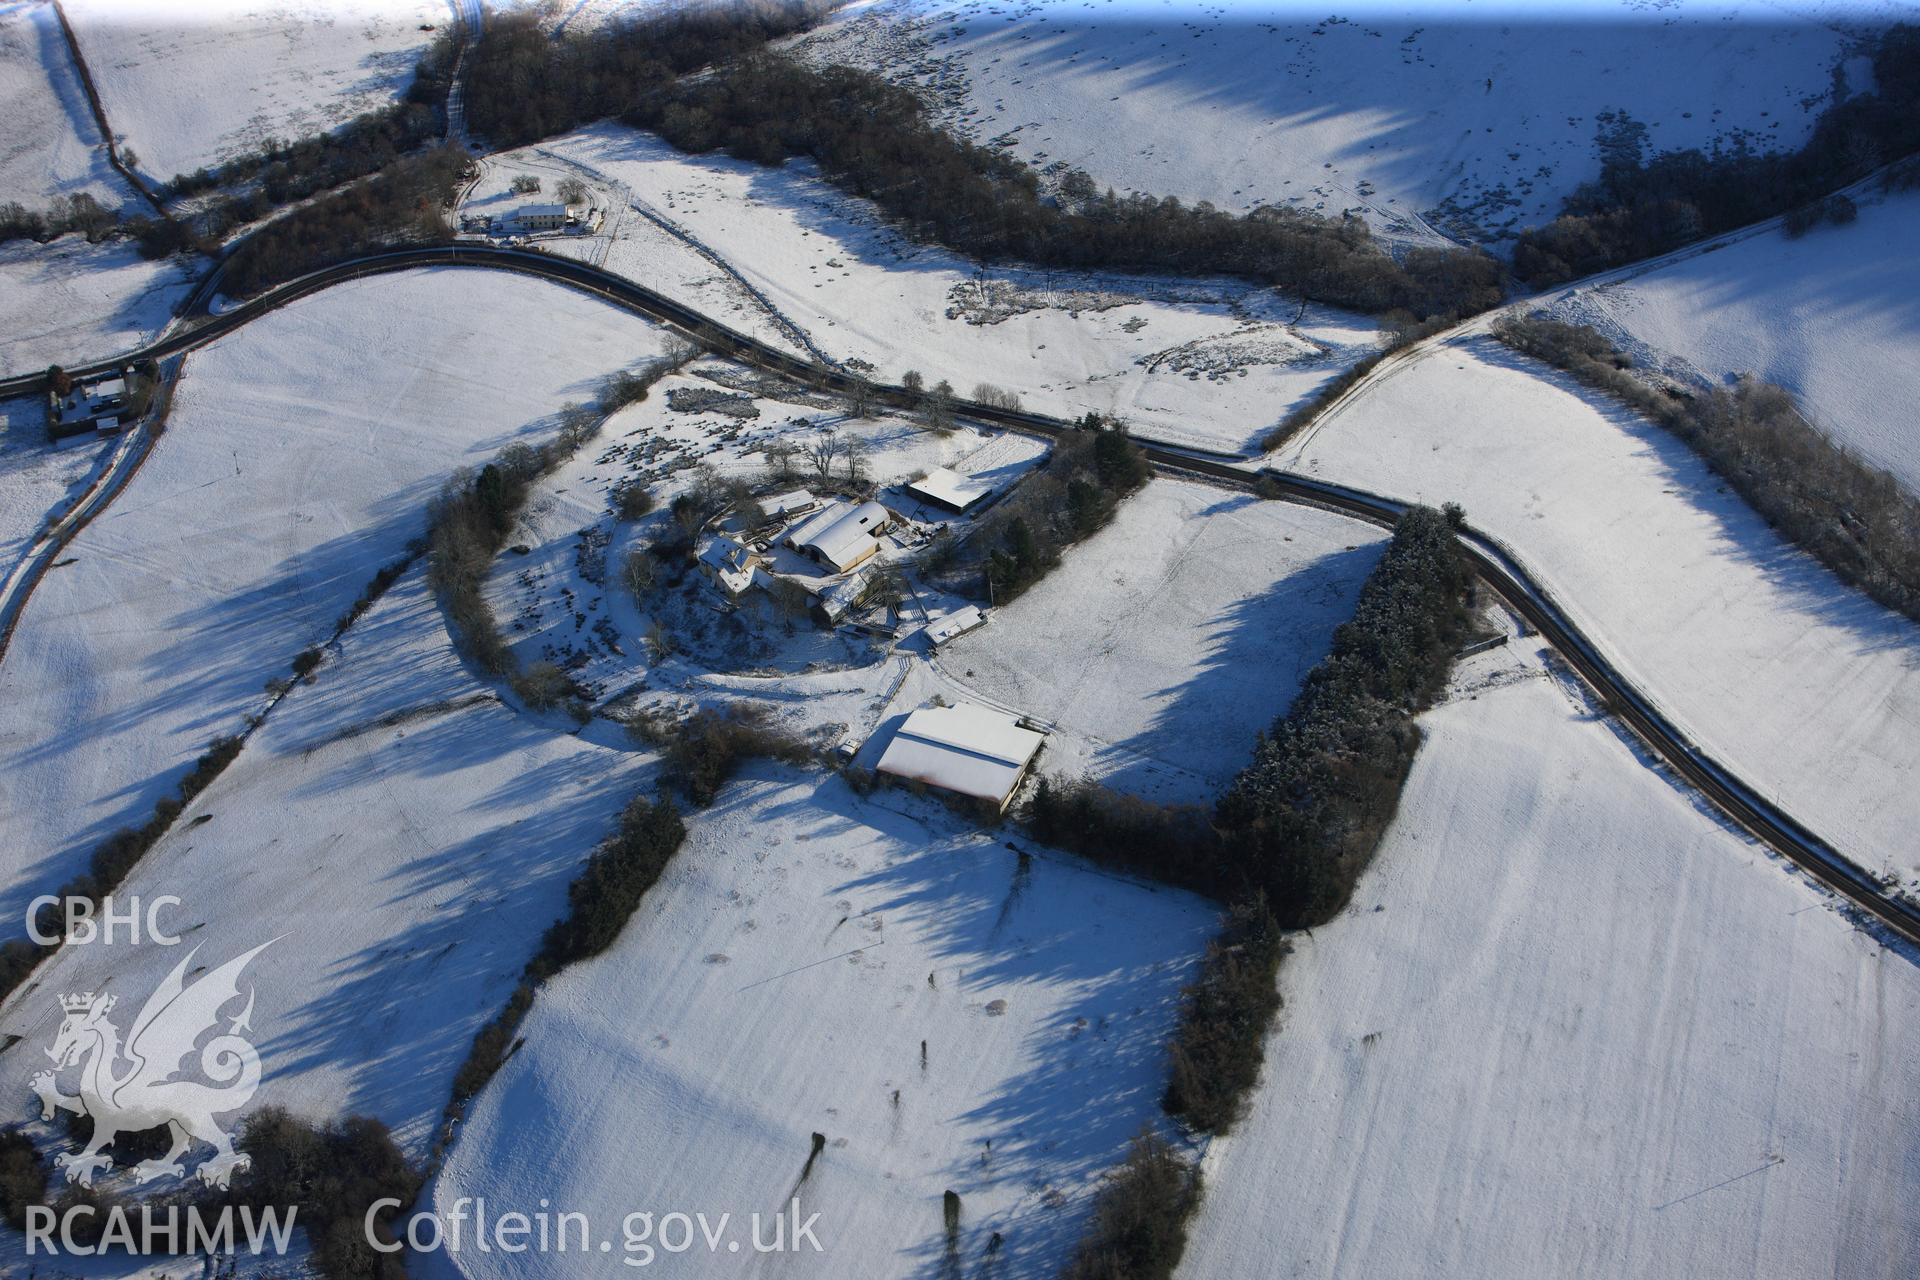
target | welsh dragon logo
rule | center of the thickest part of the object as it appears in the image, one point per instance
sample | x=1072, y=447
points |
x=133, y=1086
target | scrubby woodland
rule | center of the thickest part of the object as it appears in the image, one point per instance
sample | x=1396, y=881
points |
x=1854, y=518
x=1640, y=206
x=1071, y=496
x=468, y=524
x=874, y=139
x=404, y=203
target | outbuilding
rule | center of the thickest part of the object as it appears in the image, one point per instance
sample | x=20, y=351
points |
x=955, y=624
x=951, y=491
x=840, y=536
x=967, y=749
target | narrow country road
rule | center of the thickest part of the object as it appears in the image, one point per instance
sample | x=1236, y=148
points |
x=1743, y=804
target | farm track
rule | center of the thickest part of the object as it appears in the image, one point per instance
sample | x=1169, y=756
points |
x=1495, y=565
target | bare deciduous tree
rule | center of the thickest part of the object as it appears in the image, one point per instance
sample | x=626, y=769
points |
x=823, y=452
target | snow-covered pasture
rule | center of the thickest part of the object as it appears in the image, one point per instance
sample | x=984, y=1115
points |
x=1212, y=363
x=301, y=455
x=780, y=981
x=1573, y=1025
x=1831, y=316
x=1165, y=642
x=649, y=250
x=1476, y=120
x=69, y=302
x=284, y=69
x=402, y=836
x=52, y=145
x=1800, y=685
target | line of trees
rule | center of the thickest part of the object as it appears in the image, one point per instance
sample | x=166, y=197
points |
x=1284, y=846
x=600, y=901
x=1070, y=496
x=1300, y=822
x=1852, y=517
x=874, y=139
x=1641, y=206
x=405, y=203
x=111, y=861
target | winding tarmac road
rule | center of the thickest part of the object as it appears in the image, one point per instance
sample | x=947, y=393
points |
x=1496, y=566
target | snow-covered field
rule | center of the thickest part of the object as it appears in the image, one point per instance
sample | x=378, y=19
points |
x=1572, y=1025
x=284, y=69
x=51, y=146
x=947, y=1014
x=69, y=302
x=1831, y=316
x=1165, y=642
x=1799, y=684
x=1476, y=119
x=302, y=452
x=1212, y=363
x=403, y=836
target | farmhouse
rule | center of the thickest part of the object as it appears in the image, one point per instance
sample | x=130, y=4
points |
x=840, y=536
x=730, y=565
x=951, y=491
x=96, y=406
x=969, y=750
x=543, y=217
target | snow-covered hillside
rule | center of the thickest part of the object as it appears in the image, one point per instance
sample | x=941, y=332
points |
x=301, y=455
x=1475, y=118
x=1832, y=316
x=1795, y=681
x=948, y=1013
x=51, y=146
x=69, y=302
x=403, y=836
x=1166, y=641
x=1572, y=1025
x=1213, y=363
x=282, y=69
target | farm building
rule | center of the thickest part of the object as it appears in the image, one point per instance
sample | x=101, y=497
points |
x=838, y=598
x=955, y=624
x=951, y=491
x=785, y=506
x=730, y=565
x=102, y=406
x=969, y=750
x=543, y=217
x=840, y=536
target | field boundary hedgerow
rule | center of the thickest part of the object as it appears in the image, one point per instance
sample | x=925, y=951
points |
x=1852, y=517
x=1283, y=847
